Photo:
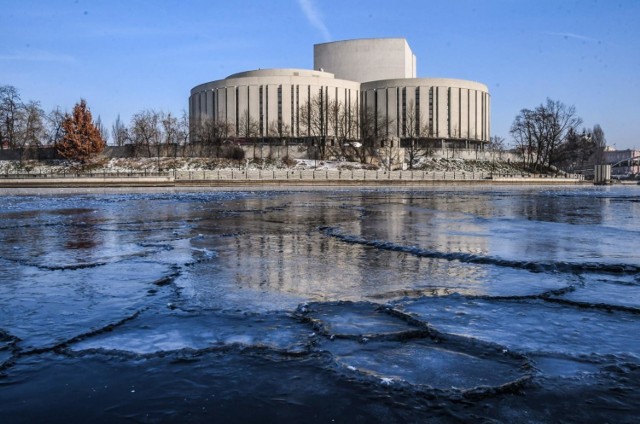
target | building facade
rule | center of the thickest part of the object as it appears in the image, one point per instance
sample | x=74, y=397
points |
x=277, y=103
x=367, y=59
x=624, y=163
x=368, y=82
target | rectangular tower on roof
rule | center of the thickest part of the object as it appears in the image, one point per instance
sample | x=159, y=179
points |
x=367, y=59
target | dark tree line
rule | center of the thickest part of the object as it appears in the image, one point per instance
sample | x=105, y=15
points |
x=549, y=136
x=26, y=127
x=546, y=136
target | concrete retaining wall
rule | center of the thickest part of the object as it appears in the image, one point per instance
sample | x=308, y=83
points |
x=333, y=175
x=249, y=178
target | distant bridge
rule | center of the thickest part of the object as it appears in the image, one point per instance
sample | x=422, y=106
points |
x=632, y=161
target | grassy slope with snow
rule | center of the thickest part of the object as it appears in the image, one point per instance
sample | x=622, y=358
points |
x=195, y=164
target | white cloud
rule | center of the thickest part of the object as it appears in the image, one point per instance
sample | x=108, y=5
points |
x=571, y=35
x=314, y=17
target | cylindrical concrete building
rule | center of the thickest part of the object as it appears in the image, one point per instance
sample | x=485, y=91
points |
x=376, y=84
x=276, y=103
x=439, y=108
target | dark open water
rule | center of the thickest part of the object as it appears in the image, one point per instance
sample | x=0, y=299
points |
x=505, y=304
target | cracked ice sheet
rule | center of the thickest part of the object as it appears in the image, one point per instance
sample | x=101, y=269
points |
x=65, y=251
x=355, y=319
x=469, y=223
x=562, y=367
x=152, y=332
x=44, y=308
x=532, y=326
x=607, y=290
x=209, y=285
x=297, y=264
x=423, y=363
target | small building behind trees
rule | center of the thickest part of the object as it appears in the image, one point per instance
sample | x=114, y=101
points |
x=624, y=163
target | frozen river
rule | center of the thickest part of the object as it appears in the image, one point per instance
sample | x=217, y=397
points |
x=453, y=304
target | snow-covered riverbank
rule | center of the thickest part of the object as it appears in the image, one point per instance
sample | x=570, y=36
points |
x=199, y=164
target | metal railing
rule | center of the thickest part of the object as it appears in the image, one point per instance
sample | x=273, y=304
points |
x=290, y=175
x=85, y=174
x=333, y=175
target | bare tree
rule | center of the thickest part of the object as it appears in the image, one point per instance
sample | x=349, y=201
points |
x=522, y=131
x=314, y=119
x=414, y=129
x=562, y=120
x=331, y=124
x=539, y=133
x=170, y=128
x=29, y=130
x=248, y=127
x=279, y=130
x=496, y=143
x=185, y=133
x=342, y=127
x=11, y=112
x=212, y=134
x=119, y=132
x=576, y=153
x=314, y=116
x=249, y=130
x=54, y=123
x=104, y=132
x=146, y=132
x=375, y=129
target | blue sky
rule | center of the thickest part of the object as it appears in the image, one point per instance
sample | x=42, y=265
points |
x=126, y=56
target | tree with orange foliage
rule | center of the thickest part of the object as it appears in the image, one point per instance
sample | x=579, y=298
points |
x=81, y=140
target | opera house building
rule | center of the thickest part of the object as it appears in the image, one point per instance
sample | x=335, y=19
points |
x=357, y=88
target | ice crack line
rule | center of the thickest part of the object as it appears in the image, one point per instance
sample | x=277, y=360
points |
x=64, y=344
x=566, y=267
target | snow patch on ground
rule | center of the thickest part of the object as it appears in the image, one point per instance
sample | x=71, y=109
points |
x=128, y=165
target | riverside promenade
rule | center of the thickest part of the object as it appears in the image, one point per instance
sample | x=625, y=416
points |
x=278, y=177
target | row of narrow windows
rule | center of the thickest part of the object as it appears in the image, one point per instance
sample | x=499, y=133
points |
x=303, y=121
x=408, y=111
x=412, y=122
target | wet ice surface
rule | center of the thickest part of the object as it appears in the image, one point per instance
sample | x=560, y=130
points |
x=532, y=326
x=440, y=305
x=150, y=333
x=426, y=364
x=346, y=319
x=621, y=291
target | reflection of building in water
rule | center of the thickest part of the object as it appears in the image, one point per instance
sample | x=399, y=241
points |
x=440, y=223
x=370, y=82
x=282, y=249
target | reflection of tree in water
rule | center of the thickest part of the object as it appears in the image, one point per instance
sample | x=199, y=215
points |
x=80, y=233
x=562, y=209
x=81, y=238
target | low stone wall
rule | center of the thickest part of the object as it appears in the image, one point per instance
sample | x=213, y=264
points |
x=333, y=175
x=279, y=177
x=88, y=181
